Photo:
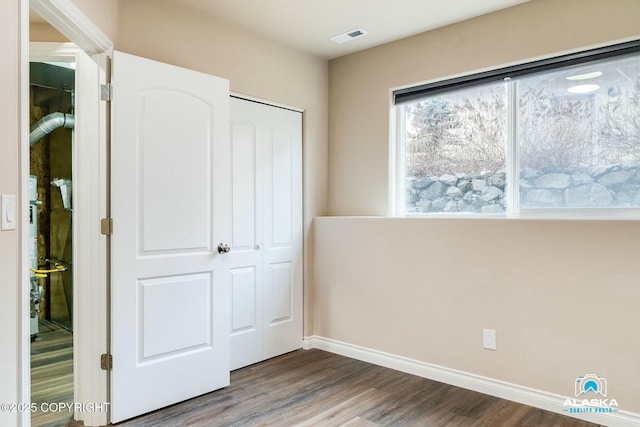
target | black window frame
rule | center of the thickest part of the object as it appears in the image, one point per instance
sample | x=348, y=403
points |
x=405, y=95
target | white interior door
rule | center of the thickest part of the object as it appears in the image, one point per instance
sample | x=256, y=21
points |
x=266, y=255
x=170, y=208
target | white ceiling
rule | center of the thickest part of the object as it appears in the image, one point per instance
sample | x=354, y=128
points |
x=308, y=24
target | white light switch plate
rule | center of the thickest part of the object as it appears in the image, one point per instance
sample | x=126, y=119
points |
x=8, y=212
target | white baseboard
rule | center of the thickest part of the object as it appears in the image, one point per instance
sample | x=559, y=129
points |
x=516, y=393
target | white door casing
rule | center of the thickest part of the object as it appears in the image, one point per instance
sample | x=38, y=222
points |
x=266, y=255
x=90, y=247
x=170, y=201
x=89, y=170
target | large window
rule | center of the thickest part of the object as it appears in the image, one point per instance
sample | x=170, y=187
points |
x=559, y=136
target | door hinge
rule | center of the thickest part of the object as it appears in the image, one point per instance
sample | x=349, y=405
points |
x=106, y=226
x=106, y=92
x=106, y=362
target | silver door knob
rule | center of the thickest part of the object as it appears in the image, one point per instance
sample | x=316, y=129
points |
x=223, y=248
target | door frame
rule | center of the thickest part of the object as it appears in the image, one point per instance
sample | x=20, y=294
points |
x=259, y=100
x=90, y=308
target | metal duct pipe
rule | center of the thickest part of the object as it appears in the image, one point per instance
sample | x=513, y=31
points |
x=48, y=124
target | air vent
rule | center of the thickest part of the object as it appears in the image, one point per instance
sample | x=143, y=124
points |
x=349, y=35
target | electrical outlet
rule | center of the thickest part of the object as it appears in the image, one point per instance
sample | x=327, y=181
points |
x=489, y=339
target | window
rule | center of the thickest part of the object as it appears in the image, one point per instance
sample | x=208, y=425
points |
x=455, y=151
x=559, y=136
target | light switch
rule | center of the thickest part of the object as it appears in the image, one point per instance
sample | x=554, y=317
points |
x=8, y=212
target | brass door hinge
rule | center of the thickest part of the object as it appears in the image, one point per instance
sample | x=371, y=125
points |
x=106, y=362
x=106, y=226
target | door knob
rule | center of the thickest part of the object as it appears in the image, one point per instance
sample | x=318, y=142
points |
x=223, y=248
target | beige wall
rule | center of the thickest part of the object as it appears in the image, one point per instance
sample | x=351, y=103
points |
x=562, y=295
x=45, y=33
x=10, y=124
x=163, y=31
x=103, y=13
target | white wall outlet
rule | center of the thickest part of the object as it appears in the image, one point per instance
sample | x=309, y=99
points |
x=489, y=339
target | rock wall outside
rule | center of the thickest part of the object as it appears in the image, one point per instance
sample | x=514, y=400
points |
x=575, y=187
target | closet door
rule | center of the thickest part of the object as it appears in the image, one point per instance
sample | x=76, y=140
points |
x=282, y=246
x=266, y=248
x=245, y=257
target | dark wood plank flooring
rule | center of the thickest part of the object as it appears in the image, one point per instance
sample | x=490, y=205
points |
x=51, y=374
x=316, y=388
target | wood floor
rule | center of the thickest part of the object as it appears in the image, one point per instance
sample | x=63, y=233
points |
x=316, y=388
x=51, y=374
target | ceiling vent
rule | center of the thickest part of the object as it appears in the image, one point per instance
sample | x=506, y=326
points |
x=349, y=35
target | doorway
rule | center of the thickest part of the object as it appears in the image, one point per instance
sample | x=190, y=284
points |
x=52, y=119
x=87, y=308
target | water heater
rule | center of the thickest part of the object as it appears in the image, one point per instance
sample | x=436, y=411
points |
x=33, y=253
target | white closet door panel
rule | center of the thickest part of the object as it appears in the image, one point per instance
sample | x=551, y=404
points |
x=243, y=294
x=282, y=169
x=244, y=146
x=246, y=257
x=279, y=286
x=246, y=336
x=282, y=192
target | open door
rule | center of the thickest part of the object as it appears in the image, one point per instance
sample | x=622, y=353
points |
x=170, y=204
